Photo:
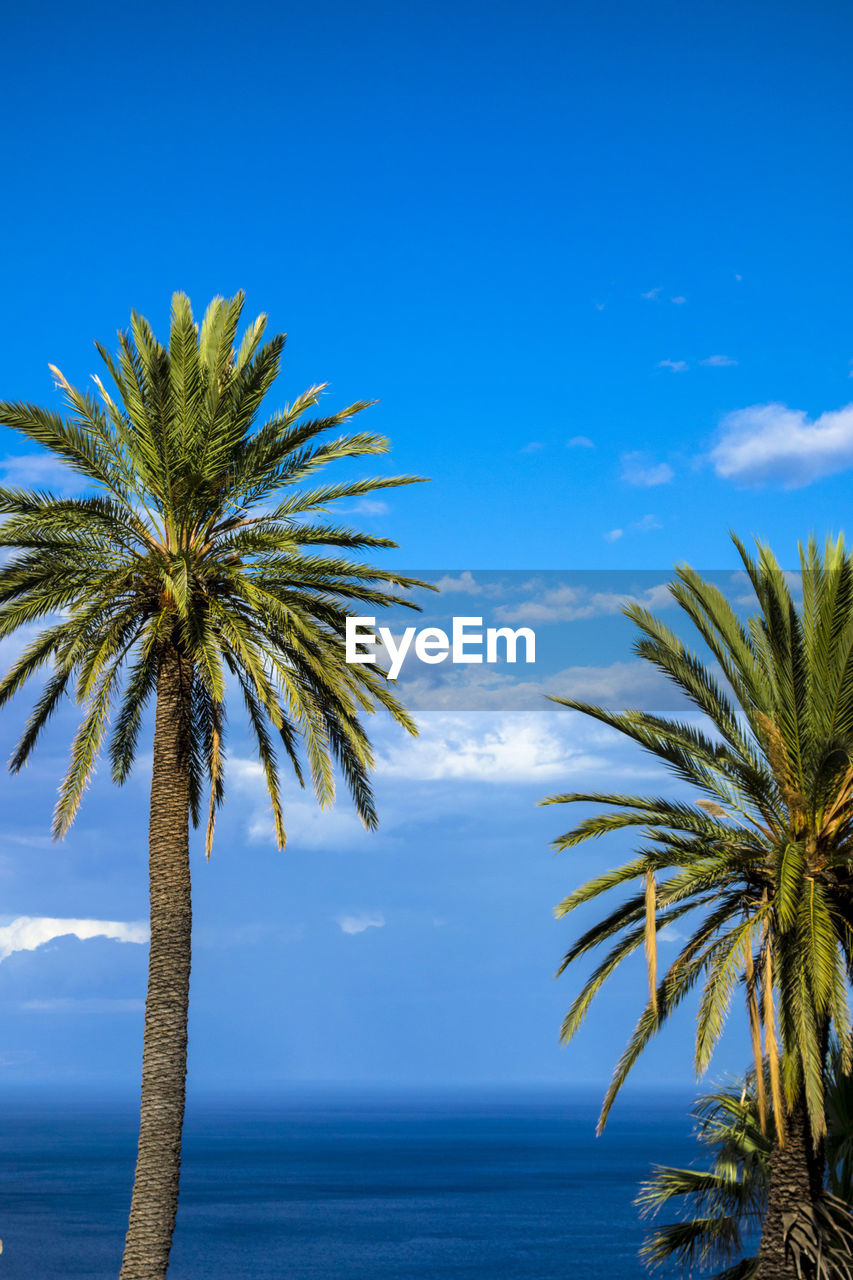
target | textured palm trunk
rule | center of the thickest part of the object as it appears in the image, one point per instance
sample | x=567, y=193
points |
x=796, y=1180
x=155, y=1189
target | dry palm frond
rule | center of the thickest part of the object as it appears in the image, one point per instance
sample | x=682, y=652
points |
x=771, y=1043
x=651, y=939
x=755, y=1033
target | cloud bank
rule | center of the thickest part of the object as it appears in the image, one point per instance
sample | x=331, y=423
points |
x=566, y=603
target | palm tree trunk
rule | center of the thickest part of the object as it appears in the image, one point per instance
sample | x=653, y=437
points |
x=164, y=1060
x=796, y=1180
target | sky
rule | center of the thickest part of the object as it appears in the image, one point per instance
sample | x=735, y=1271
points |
x=593, y=263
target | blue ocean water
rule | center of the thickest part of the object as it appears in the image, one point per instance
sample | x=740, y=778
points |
x=508, y=1187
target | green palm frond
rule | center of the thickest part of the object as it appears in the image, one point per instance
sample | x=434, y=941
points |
x=203, y=531
x=762, y=847
x=720, y=1206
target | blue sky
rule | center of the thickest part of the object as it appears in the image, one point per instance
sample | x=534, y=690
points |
x=595, y=266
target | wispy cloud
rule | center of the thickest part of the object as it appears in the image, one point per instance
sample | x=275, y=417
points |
x=535, y=446
x=13, y=646
x=742, y=591
x=669, y=934
x=652, y=295
x=638, y=469
x=580, y=442
x=83, y=1004
x=26, y=933
x=646, y=525
x=306, y=824
x=679, y=300
x=719, y=362
x=368, y=507
x=358, y=923
x=768, y=443
x=474, y=691
x=40, y=471
x=674, y=366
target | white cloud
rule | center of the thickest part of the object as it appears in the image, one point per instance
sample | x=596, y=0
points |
x=614, y=535
x=568, y=604
x=358, y=923
x=599, y=306
x=467, y=584
x=770, y=442
x=652, y=295
x=523, y=748
x=638, y=469
x=26, y=933
x=518, y=748
x=674, y=366
x=679, y=300
x=464, y=582
x=580, y=442
x=719, y=362
x=535, y=446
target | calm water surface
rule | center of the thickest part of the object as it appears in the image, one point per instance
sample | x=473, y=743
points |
x=507, y=1187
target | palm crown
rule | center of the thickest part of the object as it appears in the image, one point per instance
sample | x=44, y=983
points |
x=760, y=853
x=196, y=540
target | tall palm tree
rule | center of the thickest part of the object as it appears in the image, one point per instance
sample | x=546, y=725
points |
x=198, y=562
x=759, y=855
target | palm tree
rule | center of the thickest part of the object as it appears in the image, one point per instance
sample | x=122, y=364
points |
x=722, y=1207
x=197, y=562
x=758, y=855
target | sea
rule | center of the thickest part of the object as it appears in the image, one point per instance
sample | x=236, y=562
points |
x=320, y=1185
